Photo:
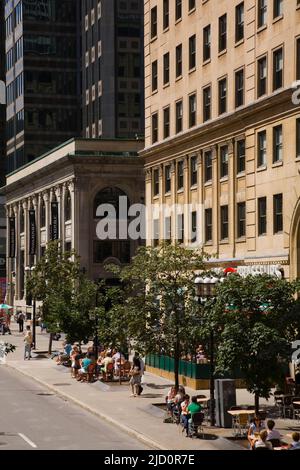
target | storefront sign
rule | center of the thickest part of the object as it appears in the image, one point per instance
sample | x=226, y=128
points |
x=12, y=237
x=32, y=232
x=270, y=269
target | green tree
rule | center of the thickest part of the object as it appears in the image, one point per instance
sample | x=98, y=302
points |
x=255, y=319
x=160, y=310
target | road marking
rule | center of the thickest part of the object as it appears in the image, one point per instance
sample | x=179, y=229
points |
x=26, y=439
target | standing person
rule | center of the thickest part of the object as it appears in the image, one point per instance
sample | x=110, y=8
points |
x=20, y=321
x=142, y=370
x=135, y=380
x=28, y=343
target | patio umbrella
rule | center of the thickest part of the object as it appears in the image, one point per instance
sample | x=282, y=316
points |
x=5, y=307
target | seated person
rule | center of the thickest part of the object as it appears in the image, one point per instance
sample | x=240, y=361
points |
x=193, y=408
x=295, y=445
x=184, y=411
x=262, y=442
x=66, y=354
x=85, y=362
x=170, y=398
x=272, y=433
x=255, y=427
x=117, y=358
x=104, y=363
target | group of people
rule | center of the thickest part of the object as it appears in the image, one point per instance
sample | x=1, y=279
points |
x=180, y=404
x=265, y=436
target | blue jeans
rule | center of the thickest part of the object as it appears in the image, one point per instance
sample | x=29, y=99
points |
x=27, y=351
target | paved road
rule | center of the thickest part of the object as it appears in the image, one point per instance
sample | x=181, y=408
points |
x=32, y=417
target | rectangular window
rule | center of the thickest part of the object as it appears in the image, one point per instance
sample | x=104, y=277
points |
x=222, y=96
x=192, y=110
x=224, y=161
x=241, y=219
x=298, y=137
x=155, y=182
x=277, y=213
x=224, y=222
x=207, y=166
x=166, y=14
x=180, y=175
x=167, y=179
x=262, y=13
x=154, y=128
x=222, y=33
x=193, y=170
x=178, y=9
x=178, y=117
x=192, y=52
x=206, y=103
x=239, y=22
x=277, y=69
x=193, y=227
x=277, y=144
x=166, y=122
x=262, y=77
x=206, y=43
x=277, y=8
x=154, y=75
x=168, y=229
x=180, y=228
x=262, y=216
x=153, y=22
x=298, y=59
x=179, y=60
x=208, y=225
x=261, y=148
x=166, y=61
x=239, y=88
x=192, y=4
x=156, y=232
x=240, y=156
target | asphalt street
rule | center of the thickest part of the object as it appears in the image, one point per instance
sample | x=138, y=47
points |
x=33, y=417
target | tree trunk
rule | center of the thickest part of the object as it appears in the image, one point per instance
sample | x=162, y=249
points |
x=256, y=402
x=176, y=367
x=50, y=343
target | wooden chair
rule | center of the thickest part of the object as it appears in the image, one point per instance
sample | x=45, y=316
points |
x=109, y=374
x=126, y=369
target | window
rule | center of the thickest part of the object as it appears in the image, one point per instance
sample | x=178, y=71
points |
x=156, y=182
x=192, y=52
x=167, y=178
x=155, y=232
x=192, y=4
x=206, y=43
x=153, y=22
x=178, y=9
x=154, y=128
x=222, y=33
x=68, y=206
x=180, y=228
x=240, y=156
x=166, y=62
x=298, y=137
x=179, y=60
x=261, y=148
x=241, y=219
x=262, y=77
x=166, y=14
x=180, y=175
x=193, y=227
x=262, y=216
x=239, y=88
x=168, y=229
x=224, y=222
x=277, y=213
x=277, y=69
x=178, y=117
x=208, y=225
x=298, y=59
x=223, y=96
x=224, y=161
x=206, y=103
x=22, y=225
x=154, y=76
x=207, y=166
x=166, y=122
x=192, y=110
x=42, y=214
x=193, y=170
x=262, y=13
x=239, y=22
x=277, y=8
x=277, y=144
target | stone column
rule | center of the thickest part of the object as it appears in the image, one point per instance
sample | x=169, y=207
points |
x=148, y=202
x=71, y=186
x=46, y=197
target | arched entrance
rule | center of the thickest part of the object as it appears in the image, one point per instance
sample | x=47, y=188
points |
x=295, y=243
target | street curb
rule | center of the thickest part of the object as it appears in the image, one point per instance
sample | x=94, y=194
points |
x=129, y=431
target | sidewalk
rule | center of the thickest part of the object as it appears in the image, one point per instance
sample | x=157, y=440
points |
x=112, y=402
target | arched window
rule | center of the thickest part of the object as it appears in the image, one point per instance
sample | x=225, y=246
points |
x=42, y=214
x=22, y=220
x=68, y=206
x=109, y=196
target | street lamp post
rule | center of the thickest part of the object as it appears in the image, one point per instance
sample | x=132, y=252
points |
x=29, y=269
x=205, y=289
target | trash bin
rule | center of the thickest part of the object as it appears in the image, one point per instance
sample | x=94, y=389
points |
x=225, y=398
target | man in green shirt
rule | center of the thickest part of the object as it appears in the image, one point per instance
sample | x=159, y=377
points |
x=193, y=408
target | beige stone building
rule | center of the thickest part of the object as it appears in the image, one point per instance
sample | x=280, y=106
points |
x=56, y=197
x=223, y=128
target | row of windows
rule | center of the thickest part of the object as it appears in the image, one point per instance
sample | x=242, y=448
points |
x=240, y=156
x=15, y=89
x=240, y=227
x=14, y=54
x=262, y=17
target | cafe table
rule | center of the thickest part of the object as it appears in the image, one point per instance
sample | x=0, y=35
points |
x=202, y=400
x=240, y=420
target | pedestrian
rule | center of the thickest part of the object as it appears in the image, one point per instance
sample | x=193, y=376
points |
x=28, y=343
x=20, y=321
x=142, y=370
x=135, y=380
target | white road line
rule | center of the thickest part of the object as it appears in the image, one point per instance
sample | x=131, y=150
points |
x=26, y=439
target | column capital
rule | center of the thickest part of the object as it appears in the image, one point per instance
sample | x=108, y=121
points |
x=148, y=172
